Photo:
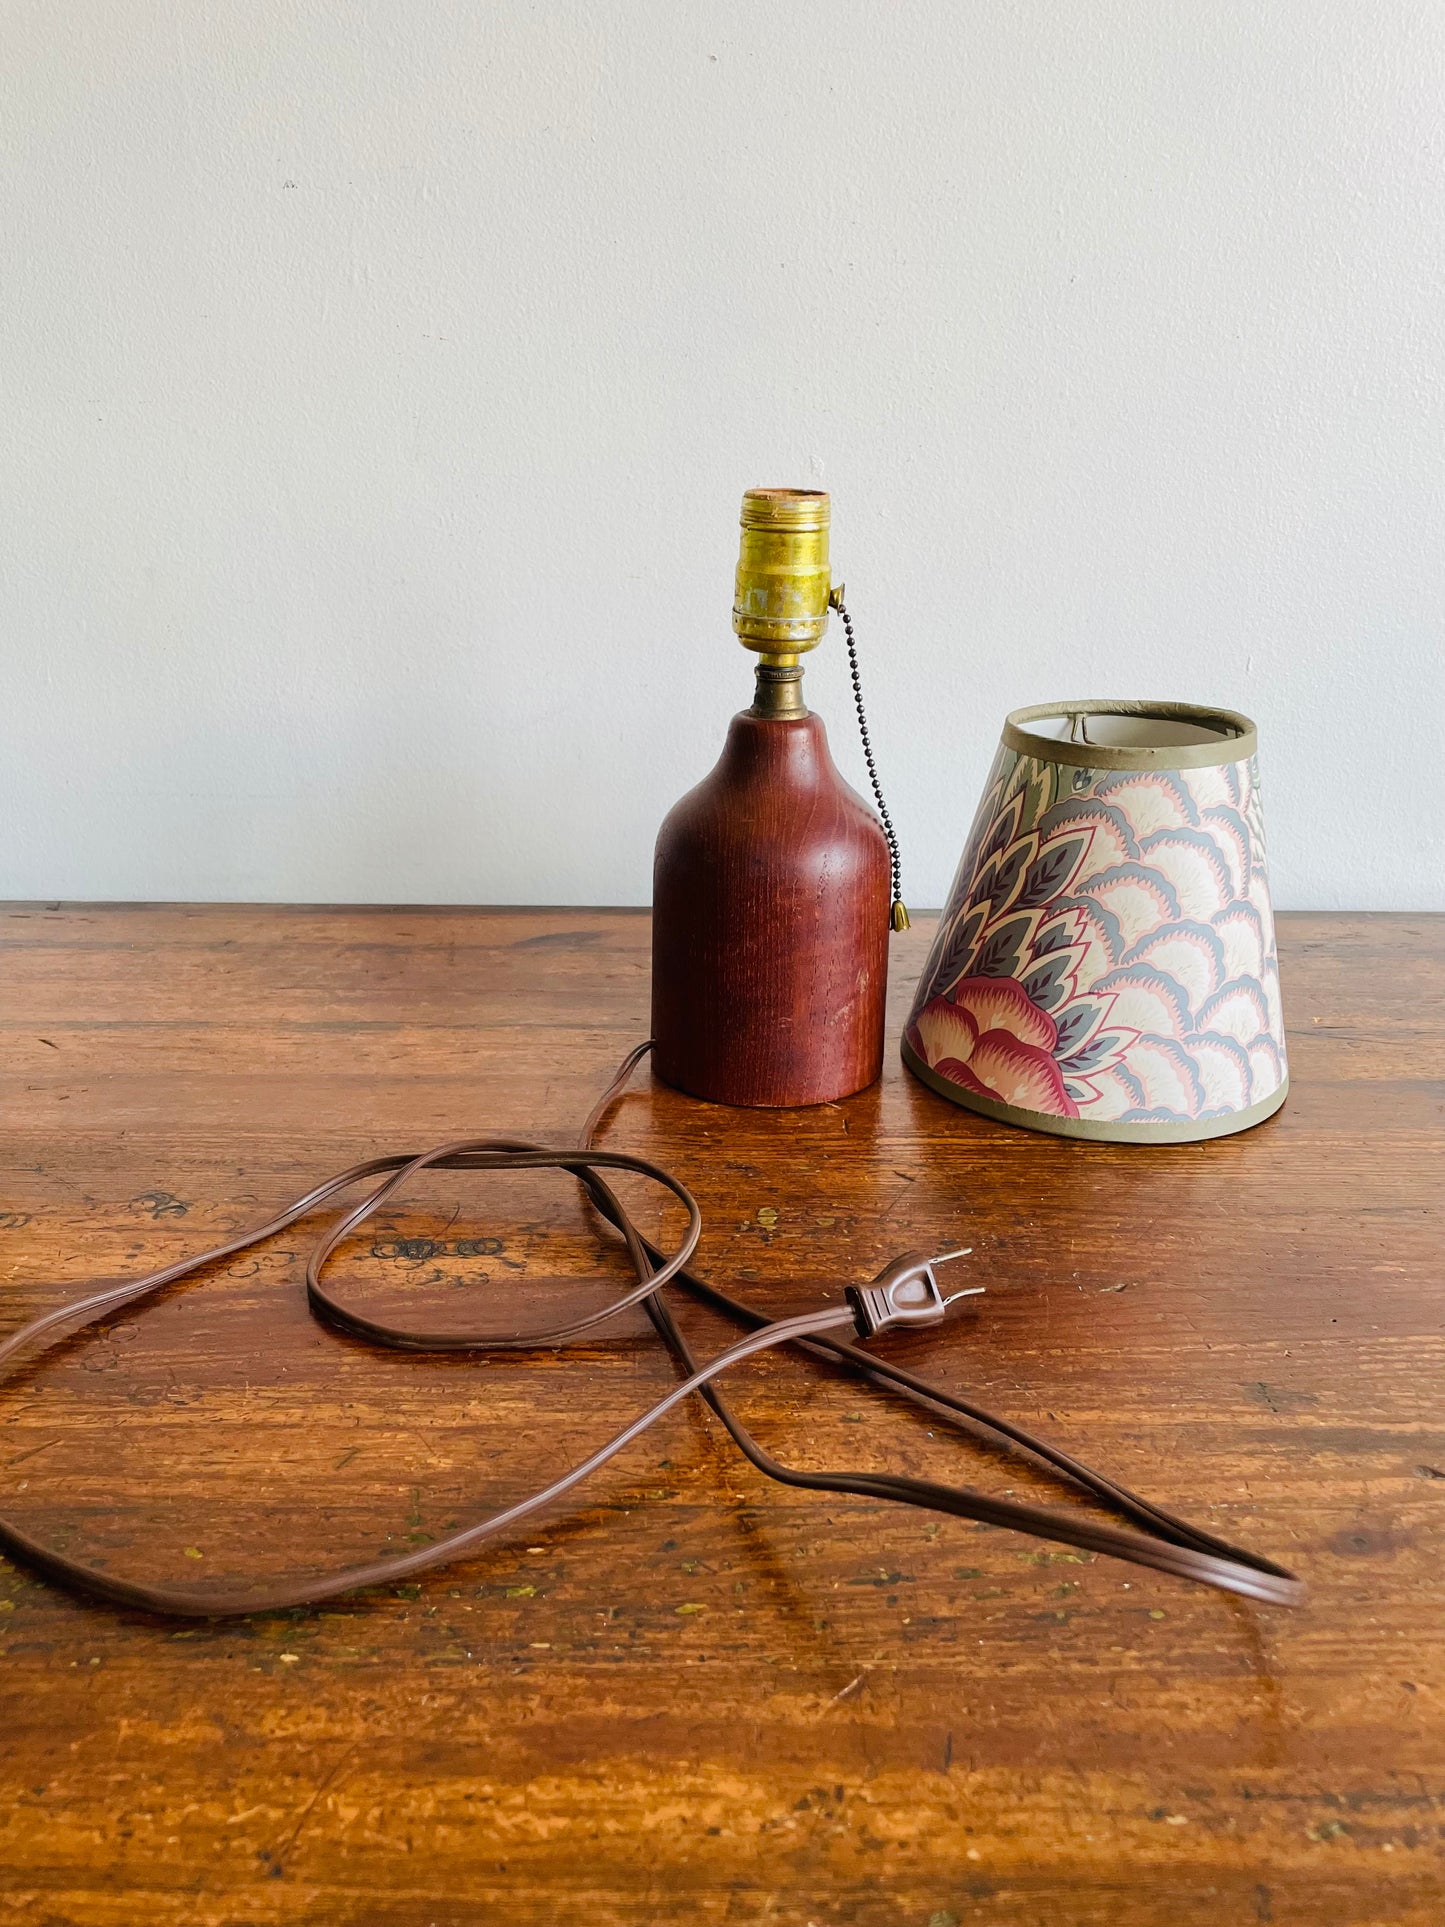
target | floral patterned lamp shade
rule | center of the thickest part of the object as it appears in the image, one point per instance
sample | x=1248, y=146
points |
x=1105, y=966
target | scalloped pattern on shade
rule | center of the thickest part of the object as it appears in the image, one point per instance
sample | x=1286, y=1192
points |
x=1107, y=952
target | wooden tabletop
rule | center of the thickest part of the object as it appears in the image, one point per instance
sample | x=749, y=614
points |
x=699, y=1696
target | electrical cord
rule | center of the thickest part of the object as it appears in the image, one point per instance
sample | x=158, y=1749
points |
x=905, y=1293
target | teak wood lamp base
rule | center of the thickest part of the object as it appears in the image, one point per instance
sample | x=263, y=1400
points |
x=770, y=906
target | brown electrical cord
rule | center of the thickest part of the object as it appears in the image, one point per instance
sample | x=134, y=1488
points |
x=1166, y=1543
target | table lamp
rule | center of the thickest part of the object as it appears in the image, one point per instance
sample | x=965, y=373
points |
x=1105, y=966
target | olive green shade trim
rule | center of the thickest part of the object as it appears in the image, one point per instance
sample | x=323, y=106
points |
x=1236, y=742
x=1098, y=1131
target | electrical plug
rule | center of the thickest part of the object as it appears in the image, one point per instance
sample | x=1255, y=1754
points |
x=905, y=1292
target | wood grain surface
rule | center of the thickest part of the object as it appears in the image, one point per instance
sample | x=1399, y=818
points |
x=700, y=1697
x=770, y=897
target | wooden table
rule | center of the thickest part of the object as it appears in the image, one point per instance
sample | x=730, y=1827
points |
x=700, y=1697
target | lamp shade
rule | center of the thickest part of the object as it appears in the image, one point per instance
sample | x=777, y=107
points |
x=1105, y=966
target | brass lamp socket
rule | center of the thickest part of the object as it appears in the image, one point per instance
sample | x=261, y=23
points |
x=780, y=605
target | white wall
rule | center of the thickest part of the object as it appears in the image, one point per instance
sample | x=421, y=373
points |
x=378, y=381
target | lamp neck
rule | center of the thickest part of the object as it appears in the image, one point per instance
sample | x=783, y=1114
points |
x=779, y=695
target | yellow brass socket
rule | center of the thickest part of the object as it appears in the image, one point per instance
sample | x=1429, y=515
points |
x=780, y=606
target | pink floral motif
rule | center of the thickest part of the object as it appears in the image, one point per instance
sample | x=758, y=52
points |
x=1108, y=952
x=987, y=1037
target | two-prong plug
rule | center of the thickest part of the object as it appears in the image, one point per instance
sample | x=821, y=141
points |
x=905, y=1293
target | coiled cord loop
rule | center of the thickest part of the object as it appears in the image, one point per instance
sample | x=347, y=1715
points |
x=1160, y=1540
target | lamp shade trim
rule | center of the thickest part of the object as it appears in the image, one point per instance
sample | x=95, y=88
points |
x=1107, y=954
x=1131, y=735
x=1187, y=1131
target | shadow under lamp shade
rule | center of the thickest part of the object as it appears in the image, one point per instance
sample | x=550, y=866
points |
x=1105, y=966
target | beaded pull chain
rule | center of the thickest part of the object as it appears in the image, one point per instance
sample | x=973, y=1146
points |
x=899, y=913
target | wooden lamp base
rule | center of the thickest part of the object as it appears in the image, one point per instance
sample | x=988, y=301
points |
x=770, y=925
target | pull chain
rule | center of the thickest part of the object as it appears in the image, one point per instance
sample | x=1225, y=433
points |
x=899, y=913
